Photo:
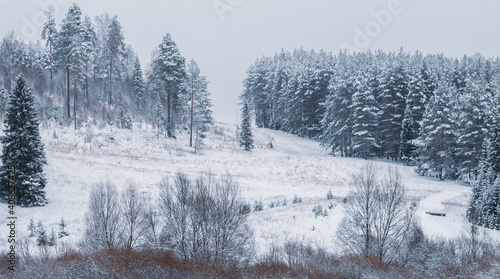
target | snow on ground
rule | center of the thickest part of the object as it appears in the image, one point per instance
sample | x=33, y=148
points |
x=293, y=167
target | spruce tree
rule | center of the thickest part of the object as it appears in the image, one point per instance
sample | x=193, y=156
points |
x=138, y=87
x=365, y=119
x=23, y=148
x=392, y=105
x=479, y=187
x=407, y=149
x=246, y=138
x=115, y=49
x=438, y=136
x=472, y=129
x=491, y=205
x=170, y=68
x=337, y=120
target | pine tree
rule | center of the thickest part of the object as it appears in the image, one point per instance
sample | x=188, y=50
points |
x=491, y=204
x=337, y=120
x=23, y=148
x=438, y=136
x=407, y=149
x=494, y=136
x=138, y=87
x=64, y=44
x=365, y=119
x=74, y=45
x=471, y=127
x=415, y=109
x=203, y=119
x=124, y=120
x=169, y=67
x=476, y=204
x=115, y=49
x=159, y=115
x=201, y=114
x=246, y=138
x=49, y=32
x=393, y=105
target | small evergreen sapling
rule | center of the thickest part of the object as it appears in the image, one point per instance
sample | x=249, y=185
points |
x=62, y=229
x=52, y=240
x=41, y=235
x=31, y=228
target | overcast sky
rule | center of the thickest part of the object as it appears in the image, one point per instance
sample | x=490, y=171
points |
x=226, y=36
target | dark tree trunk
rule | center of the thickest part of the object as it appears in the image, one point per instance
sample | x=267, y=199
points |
x=192, y=116
x=75, y=96
x=68, y=89
x=110, y=80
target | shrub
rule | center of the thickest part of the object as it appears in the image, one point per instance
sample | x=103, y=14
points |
x=258, y=206
x=318, y=211
x=297, y=199
x=329, y=195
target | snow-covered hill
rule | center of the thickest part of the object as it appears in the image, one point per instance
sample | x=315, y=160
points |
x=294, y=167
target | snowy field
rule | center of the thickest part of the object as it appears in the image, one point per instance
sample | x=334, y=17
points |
x=294, y=167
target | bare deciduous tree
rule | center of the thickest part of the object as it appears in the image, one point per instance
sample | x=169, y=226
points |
x=355, y=230
x=152, y=225
x=133, y=216
x=205, y=220
x=103, y=219
x=394, y=218
x=379, y=219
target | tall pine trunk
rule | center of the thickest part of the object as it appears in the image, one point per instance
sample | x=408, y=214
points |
x=51, y=66
x=192, y=116
x=75, y=92
x=110, y=80
x=68, y=89
x=169, y=111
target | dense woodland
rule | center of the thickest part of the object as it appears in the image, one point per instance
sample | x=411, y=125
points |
x=437, y=113
x=82, y=72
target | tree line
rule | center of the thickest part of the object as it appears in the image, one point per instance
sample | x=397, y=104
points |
x=431, y=111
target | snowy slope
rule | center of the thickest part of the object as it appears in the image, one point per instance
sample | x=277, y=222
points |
x=294, y=167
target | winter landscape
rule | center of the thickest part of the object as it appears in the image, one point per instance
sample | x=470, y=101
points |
x=362, y=159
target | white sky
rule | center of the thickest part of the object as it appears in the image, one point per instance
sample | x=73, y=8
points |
x=226, y=42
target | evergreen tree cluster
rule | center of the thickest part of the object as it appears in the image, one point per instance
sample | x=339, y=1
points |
x=484, y=207
x=430, y=111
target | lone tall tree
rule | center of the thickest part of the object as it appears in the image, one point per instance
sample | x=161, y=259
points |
x=116, y=48
x=246, y=138
x=23, y=149
x=201, y=114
